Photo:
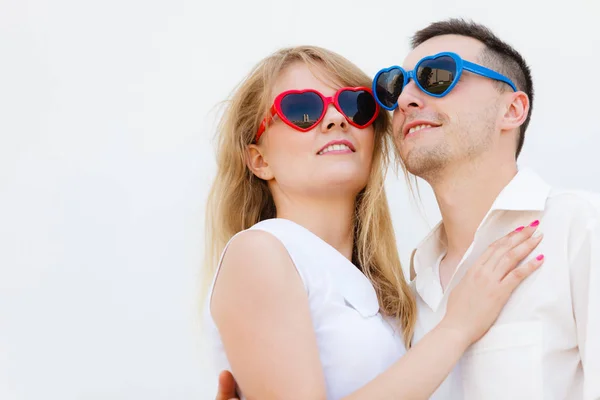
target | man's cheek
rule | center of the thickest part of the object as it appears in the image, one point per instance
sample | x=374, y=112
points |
x=397, y=122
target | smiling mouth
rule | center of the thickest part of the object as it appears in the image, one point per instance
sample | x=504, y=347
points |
x=336, y=148
x=418, y=128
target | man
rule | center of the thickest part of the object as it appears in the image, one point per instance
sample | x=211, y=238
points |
x=463, y=137
x=546, y=342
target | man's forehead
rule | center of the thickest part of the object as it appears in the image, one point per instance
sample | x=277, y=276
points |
x=466, y=47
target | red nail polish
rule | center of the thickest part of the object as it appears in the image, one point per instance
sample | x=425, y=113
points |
x=535, y=223
x=540, y=257
x=519, y=229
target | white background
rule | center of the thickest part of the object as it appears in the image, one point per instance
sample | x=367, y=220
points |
x=107, y=109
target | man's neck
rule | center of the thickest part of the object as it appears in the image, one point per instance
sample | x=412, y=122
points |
x=465, y=194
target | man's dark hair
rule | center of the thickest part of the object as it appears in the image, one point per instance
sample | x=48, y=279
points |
x=497, y=55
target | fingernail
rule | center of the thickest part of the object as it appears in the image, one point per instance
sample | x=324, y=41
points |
x=519, y=229
x=535, y=223
x=540, y=257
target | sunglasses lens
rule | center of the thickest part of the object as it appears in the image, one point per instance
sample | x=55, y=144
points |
x=388, y=86
x=302, y=109
x=435, y=76
x=359, y=106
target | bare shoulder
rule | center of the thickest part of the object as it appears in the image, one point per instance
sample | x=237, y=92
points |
x=255, y=265
x=255, y=248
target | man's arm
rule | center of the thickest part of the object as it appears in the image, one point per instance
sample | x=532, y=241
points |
x=226, y=387
x=585, y=289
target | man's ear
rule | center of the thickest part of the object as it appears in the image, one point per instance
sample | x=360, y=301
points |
x=257, y=162
x=517, y=111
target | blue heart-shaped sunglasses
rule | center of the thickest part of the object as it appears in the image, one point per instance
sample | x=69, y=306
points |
x=435, y=75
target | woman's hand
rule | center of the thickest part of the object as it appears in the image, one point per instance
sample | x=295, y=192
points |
x=478, y=298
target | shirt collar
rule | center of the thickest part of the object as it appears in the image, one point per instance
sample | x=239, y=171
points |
x=427, y=252
x=527, y=191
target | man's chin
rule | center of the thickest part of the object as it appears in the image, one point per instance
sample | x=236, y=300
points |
x=423, y=165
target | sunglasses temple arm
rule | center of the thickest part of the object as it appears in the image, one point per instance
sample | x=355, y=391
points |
x=265, y=122
x=488, y=73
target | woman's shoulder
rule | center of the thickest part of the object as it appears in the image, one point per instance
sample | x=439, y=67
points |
x=263, y=240
x=254, y=264
x=266, y=247
x=253, y=245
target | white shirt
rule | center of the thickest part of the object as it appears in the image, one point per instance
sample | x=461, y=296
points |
x=355, y=342
x=546, y=342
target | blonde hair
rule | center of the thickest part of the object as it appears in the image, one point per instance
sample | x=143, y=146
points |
x=238, y=199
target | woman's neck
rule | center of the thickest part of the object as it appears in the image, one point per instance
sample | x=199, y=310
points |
x=331, y=219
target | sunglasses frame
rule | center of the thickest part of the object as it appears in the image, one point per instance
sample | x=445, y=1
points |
x=276, y=109
x=460, y=66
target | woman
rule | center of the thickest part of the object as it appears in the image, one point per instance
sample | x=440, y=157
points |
x=308, y=298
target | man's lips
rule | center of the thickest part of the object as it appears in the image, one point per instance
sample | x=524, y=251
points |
x=417, y=126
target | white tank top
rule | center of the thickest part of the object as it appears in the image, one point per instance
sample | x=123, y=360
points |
x=355, y=342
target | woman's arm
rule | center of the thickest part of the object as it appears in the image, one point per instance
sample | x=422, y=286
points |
x=260, y=307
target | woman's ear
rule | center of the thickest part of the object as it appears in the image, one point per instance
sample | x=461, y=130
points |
x=257, y=162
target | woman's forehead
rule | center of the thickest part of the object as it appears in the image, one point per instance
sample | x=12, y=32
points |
x=300, y=75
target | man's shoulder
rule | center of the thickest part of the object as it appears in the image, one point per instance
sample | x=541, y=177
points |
x=579, y=202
